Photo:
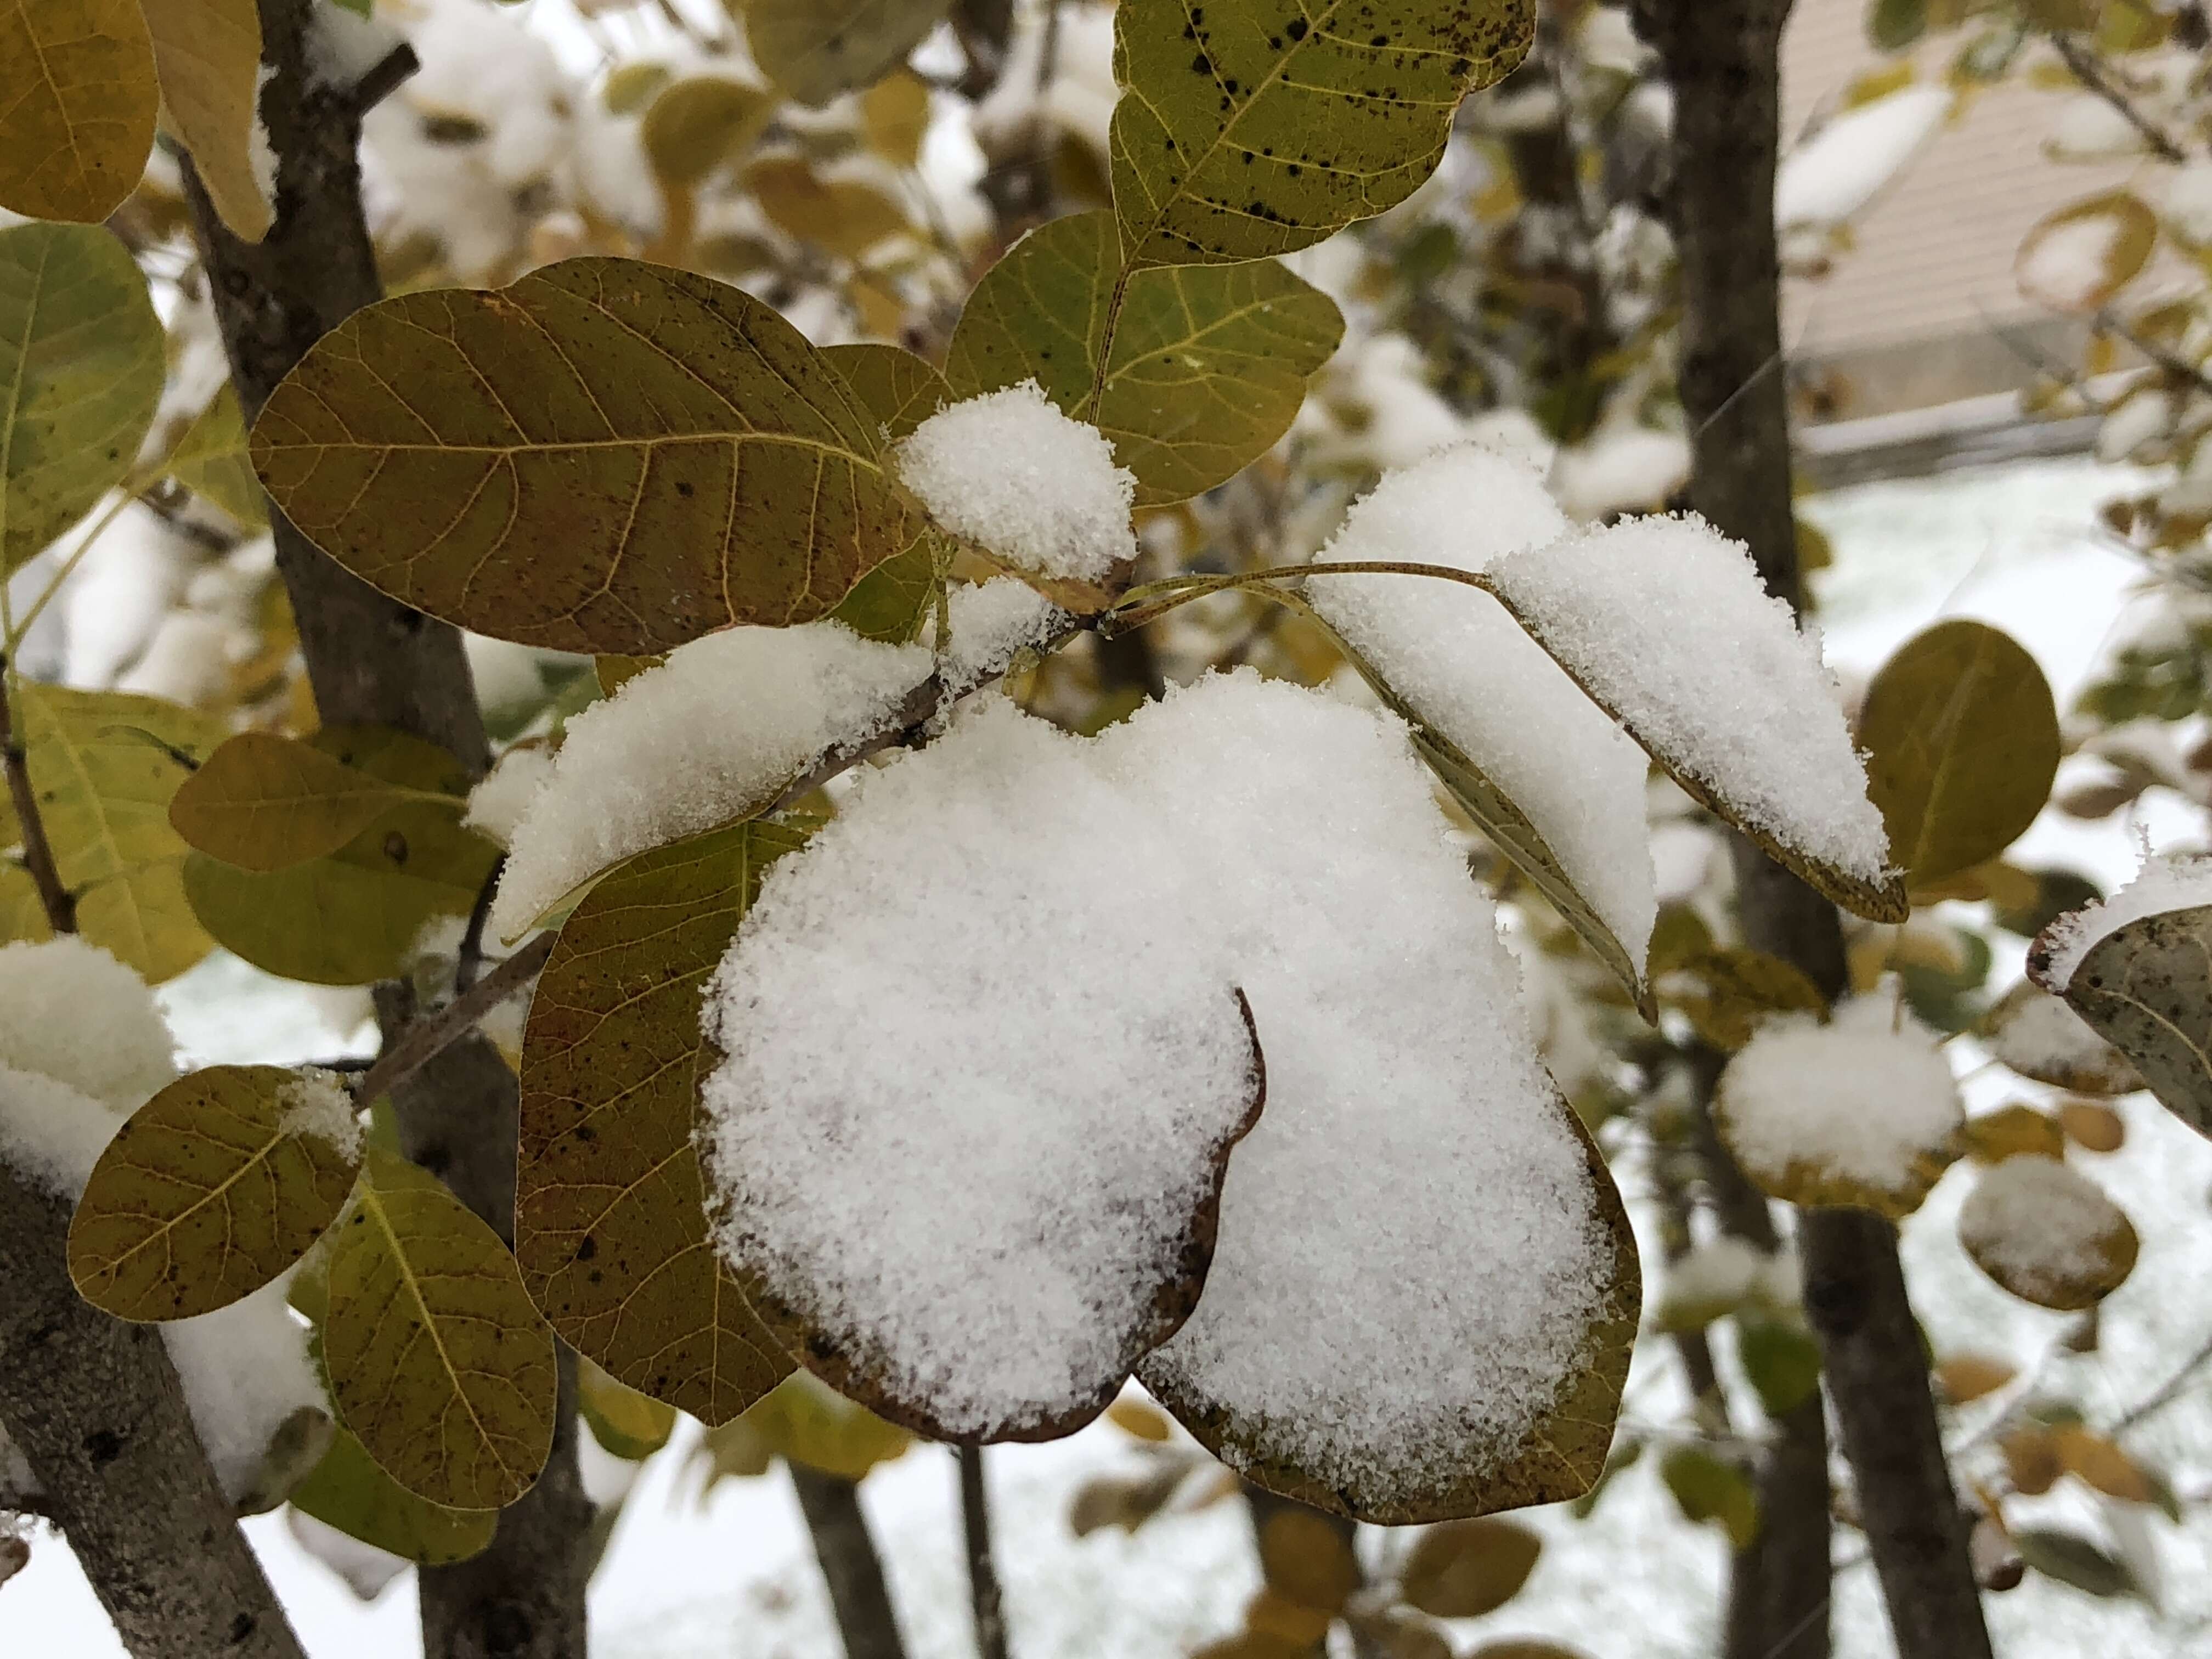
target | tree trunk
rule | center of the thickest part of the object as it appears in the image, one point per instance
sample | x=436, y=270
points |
x=95, y=1408
x=1722, y=57
x=850, y=1566
x=372, y=660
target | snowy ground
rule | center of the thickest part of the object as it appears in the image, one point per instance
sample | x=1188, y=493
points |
x=731, y=1578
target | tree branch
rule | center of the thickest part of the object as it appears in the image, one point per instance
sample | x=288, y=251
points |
x=850, y=1566
x=423, y=1041
x=56, y=900
x=1724, y=59
x=983, y=1597
x=95, y=1408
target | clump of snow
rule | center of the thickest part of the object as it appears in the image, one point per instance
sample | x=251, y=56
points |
x=2039, y=1222
x=991, y=624
x=1868, y=1097
x=342, y=45
x=499, y=803
x=245, y=1368
x=1618, y=468
x=2069, y=266
x=317, y=1102
x=2038, y=1036
x=1719, y=1275
x=709, y=735
x=365, y=1568
x=1380, y=1325
x=1466, y=669
x=71, y=1011
x=51, y=1133
x=260, y=154
x=1844, y=166
x=1666, y=622
x=2170, y=883
x=1033, y=487
x=958, y=987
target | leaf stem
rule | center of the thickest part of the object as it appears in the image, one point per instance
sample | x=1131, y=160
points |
x=982, y=1575
x=1106, y=345
x=58, y=902
x=425, y=1040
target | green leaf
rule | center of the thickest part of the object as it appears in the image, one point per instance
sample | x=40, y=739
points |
x=207, y=56
x=1893, y=24
x=437, y=1360
x=1465, y=1569
x=104, y=765
x=2146, y=987
x=2073, y=1560
x=265, y=802
x=1562, y=1457
x=352, y=917
x=1707, y=1489
x=210, y=1189
x=625, y=1422
x=609, y=1216
x=80, y=369
x=1206, y=367
x=693, y=125
x=805, y=1420
x=616, y=457
x=210, y=460
x=1781, y=1360
x=77, y=104
x=899, y=391
x=348, y=1491
x=816, y=49
x=1248, y=128
x=1962, y=742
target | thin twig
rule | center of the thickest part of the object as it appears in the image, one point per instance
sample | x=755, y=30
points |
x=983, y=1574
x=385, y=78
x=2090, y=71
x=58, y=902
x=470, y=961
x=2172, y=364
x=2168, y=1392
x=426, y=1039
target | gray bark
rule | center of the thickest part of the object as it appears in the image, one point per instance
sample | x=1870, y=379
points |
x=95, y=1408
x=850, y=1566
x=1722, y=59
x=372, y=660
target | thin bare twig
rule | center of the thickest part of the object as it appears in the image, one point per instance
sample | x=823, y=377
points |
x=2089, y=70
x=983, y=1573
x=470, y=961
x=58, y=902
x=2168, y=1392
x=426, y=1039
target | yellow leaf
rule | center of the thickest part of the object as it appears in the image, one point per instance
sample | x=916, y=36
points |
x=437, y=1361
x=846, y=217
x=2015, y=1130
x=1248, y=133
x=210, y=460
x=77, y=104
x=895, y=113
x=210, y=1189
x=1464, y=1569
x=816, y=49
x=622, y=1420
x=1132, y=1416
x=695, y=462
x=207, y=54
x=1307, y=1560
x=265, y=802
x=693, y=126
x=1967, y=1376
x=348, y=1491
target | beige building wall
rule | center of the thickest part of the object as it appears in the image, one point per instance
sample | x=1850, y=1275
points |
x=1922, y=309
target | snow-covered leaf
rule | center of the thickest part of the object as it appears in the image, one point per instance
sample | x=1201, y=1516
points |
x=693, y=462
x=81, y=361
x=349, y=1491
x=105, y=765
x=211, y=1189
x=1861, y=1111
x=1664, y=623
x=2145, y=986
x=816, y=49
x=1083, y=1102
x=207, y=55
x=2038, y=1036
x=437, y=1360
x=1249, y=132
x=2077, y=259
x=2047, y=1233
x=1961, y=736
x=1205, y=370
x=77, y=104
x=609, y=1227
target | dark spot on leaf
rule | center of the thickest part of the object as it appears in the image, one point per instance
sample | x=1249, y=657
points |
x=684, y=489
x=588, y=1248
x=1295, y=28
x=1201, y=65
x=395, y=846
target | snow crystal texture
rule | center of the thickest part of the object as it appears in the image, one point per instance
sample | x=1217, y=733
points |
x=71, y=1011
x=1466, y=669
x=2169, y=883
x=1011, y=473
x=1666, y=622
x=710, y=734
x=2039, y=1220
